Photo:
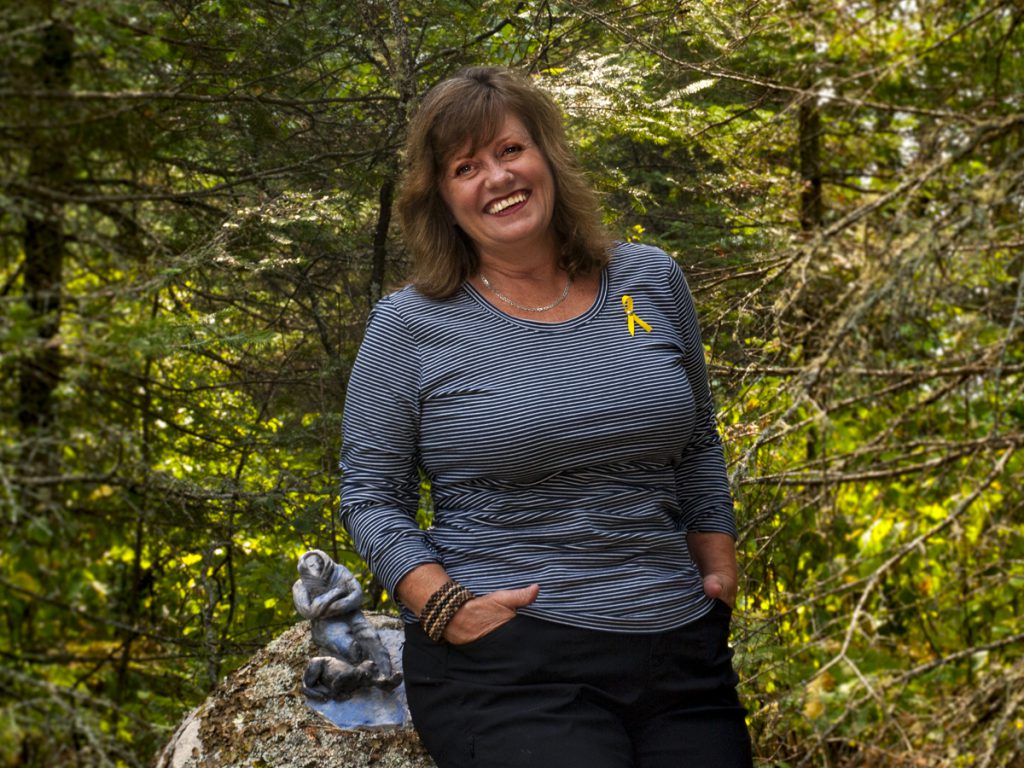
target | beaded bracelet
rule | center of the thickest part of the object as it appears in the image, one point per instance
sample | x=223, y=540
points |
x=442, y=607
x=441, y=595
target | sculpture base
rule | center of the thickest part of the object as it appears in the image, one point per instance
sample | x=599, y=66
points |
x=367, y=707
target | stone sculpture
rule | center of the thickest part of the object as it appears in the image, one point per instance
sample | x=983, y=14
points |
x=354, y=657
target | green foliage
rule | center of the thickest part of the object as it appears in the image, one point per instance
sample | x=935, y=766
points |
x=221, y=174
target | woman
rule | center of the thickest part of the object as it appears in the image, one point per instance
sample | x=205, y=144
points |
x=570, y=605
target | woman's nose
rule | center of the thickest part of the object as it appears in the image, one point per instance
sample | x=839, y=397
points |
x=497, y=173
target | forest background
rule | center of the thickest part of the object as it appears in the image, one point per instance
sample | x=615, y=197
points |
x=197, y=216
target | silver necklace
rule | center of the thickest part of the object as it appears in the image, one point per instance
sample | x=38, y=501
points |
x=517, y=305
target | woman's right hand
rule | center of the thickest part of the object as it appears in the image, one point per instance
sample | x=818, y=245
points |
x=473, y=620
x=482, y=615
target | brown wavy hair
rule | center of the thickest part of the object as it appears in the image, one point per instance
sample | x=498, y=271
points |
x=471, y=107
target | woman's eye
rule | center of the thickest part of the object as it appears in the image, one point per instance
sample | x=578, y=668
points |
x=465, y=168
x=512, y=149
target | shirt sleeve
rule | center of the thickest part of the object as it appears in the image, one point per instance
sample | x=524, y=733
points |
x=379, y=456
x=702, y=484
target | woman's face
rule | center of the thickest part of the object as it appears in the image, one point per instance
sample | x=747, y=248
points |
x=502, y=194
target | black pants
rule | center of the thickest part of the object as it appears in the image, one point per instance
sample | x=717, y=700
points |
x=533, y=694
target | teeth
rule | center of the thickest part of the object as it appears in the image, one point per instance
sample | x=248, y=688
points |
x=501, y=205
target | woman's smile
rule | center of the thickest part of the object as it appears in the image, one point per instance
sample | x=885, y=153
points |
x=502, y=206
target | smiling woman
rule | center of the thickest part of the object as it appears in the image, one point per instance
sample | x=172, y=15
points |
x=571, y=604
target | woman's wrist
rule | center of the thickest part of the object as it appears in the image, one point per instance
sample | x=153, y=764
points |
x=441, y=608
x=417, y=586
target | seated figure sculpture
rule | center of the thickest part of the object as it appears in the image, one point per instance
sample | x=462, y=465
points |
x=330, y=597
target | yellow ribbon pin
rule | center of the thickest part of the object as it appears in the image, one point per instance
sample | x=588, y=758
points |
x=633, y=318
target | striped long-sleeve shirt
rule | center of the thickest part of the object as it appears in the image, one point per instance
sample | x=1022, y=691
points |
x=575, y=455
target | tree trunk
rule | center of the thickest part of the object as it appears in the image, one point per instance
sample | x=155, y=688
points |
x=380, y=239
x=811, y=215
x=811, y=207
x=44, y=243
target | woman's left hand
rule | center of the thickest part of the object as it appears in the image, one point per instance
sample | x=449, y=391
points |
x=715, y=556
x=718, y=587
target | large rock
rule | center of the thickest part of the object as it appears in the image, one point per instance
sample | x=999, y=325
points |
x=258, y=717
